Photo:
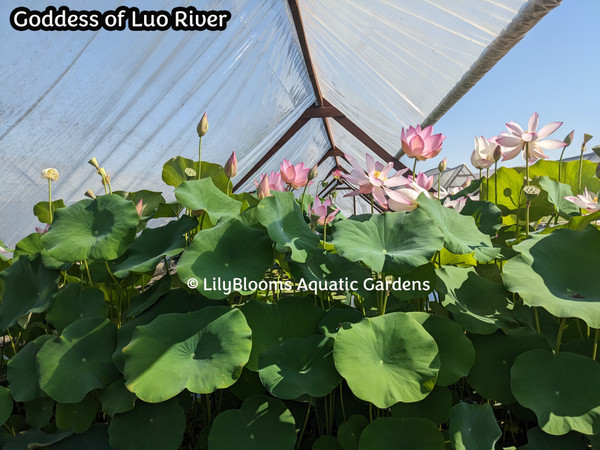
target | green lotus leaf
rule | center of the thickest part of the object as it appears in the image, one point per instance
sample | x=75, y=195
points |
x=202, y=351
x=391, y=243
x=280, y=214
x=151, y=200
x=175, y=301
x=417, y=278
x=39, y=411
x=477, y=304
x=116, y=398
x=32, y=245
x=33, y=439
x=556, y=195
x=335, y=318
x=149, y=297
x=42, y=211
x=562, y=389
x=387, y=359
x=389, y=433
x=579, y=223
x=29, y=287
x=146, y=251
x=326, y=443
x=435, y=407
x=457, y=354
x=262, y=423
x=96, y=438
x=228, y=253
x=273, y=324
x=299, y=366
x=349, y=432
x=487, y=215
x=77, y=417
x=99, y=229
x=79, y=360
x=247, y=384
x=159, y=426
x=74, y=302
x=570, y=173
x=538, y=440
x=473, y=427
x=494, y=356
x=461, y=235
x=22, y=371
x=168, y=209
x=6, y=405
x=566, y=286
x=204, y=195
x=174, y=173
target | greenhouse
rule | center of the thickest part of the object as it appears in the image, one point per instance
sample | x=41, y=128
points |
x=234, y=225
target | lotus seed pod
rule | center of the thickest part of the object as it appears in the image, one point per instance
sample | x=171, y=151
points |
x=89, y=193
x=50, y=174
x=94, y=163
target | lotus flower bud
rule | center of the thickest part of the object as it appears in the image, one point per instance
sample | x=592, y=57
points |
x=50, y=174
x=94, y=163
x=497, y=153
x=263, y=188
x=140, y=207
x=569, y=138
x=202, y=127
x=231, y=166
x=312, y=173
x=443, y=164
x=337, y=174
x=89, y=193
x=586, y=138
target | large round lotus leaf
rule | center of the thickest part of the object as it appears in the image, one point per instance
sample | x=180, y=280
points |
x=566, y=286
x=349, y=432
x=569, y=173
x=116, y=398
x=457, y=354
x=174, y=173
x=562, y=389
x=203, y=194
x=151, y=200
x=299, y=366
x=414, y=283
x=262, y=423
x=392, y=243
x=74, y=302
x=223, y=255
x=538, y=440
x=96, y=438
x=42, y=211
x=435, y=407
x=556, y=195
x=28, y=287
x=149, y=297
x=494, y=356
x=282, y=217
x=290, y=317
x=99, y=229
x=326, y=443
x=76, y=416
x=6, y=404
x=22, y=371
x=487, y=215
x=247, y=384
x=79, y=360
x=153, y=244
x=387, y=359
x=159, y=426
x=32, y=245
x=175, y=301
x=473, y=427
x=202, y=351
x=33, y=439
x=461, y=234
x=39, y=411
x=476, y=303
x=335, y=318
x=388, y=433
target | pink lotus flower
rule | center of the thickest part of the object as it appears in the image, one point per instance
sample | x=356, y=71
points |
x=457, y=204
x=405, y=199
x=424, y=181
x=320, y=209
x=421, y=144
x=274, y=181
x=483, y=155
x=140, y=207
x=585, y=201
x=42, y=230
x=295, y=176
x=375, y=180
x=515, y=141
x=263, y=190
x=231, y=166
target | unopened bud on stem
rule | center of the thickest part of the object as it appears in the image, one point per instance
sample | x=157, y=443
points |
x=202, y=127
x=443, y=164
x=312, y=174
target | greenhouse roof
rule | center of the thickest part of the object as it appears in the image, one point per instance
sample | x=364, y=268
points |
x=305, y=80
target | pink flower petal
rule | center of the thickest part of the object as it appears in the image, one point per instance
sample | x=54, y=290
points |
x=509, y=141
x=548, y=129
x=533, y=122
x=551, y=144
x=514, y=128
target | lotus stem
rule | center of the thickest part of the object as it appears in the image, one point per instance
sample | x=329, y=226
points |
x=342, y=400
x=528, y=203
x=537, y=320
x=50, y=198
x=88, y=272
x=560, y=164
x=372, y=206
x=595, y=350
x=487, y=184
x=305, y=422
x=302, y=198
x=496, y=183
x=580, y=169
x=324, y=235
x=200, y=157
x=560, y=332
x=414, y=170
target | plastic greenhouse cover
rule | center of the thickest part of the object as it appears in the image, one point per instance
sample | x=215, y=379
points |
x=132, y=99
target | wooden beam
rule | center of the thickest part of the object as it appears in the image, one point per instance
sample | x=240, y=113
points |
x=296, y=126
x=322, y=112
x=376, y=205
x=331, y=153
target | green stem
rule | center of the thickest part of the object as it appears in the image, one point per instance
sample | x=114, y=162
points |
x=227, y=189
x=342, y=401
x=528, y=203
x=560, y=332
x=487, y=184
x=305, y=422
x=438, y=189
x=415, y=169
x=50, y=198
x=595, y=351
x=200, y=157
x=302, y=197
x=88, y=272
x=496, y=182
x=324, y=234
x=580, y=169
x=372, y=208
x=560, y=163
x=537, y=320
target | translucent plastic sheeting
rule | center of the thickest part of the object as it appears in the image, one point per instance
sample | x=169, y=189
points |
x=132, y=99
x=388, y=64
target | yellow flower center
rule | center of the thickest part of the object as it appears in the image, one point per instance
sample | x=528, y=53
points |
x=378, y=175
